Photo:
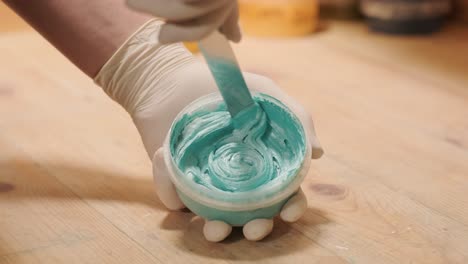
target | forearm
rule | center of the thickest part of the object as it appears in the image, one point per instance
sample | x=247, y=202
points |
x=86, y=32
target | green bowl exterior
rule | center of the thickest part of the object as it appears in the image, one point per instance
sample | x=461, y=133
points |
x=234, y=218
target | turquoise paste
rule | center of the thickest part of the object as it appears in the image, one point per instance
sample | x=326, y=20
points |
x=262, y=145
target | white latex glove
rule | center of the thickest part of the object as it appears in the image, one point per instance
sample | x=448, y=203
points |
x=154, y=82
x=191, y=20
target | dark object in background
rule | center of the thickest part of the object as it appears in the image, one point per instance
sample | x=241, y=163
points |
x=406, y=16
x=461, y=10
x=340, y=9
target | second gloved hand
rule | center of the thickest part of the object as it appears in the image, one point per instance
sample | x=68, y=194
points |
x=191, y=20
x=154, y=82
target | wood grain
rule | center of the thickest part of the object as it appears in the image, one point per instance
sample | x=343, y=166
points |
x=392, y=114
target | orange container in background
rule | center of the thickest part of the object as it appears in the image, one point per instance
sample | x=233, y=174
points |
x=278, y=18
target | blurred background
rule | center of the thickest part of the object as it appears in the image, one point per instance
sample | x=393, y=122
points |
x=293, y=18
x=300, y=17
x=9, y=21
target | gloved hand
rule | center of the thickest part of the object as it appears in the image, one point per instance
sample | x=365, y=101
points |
x=191, y=20
x=154, y=82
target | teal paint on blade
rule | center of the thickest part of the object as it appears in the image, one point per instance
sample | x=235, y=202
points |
x=230, y=83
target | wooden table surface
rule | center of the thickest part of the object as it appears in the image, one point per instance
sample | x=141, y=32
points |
x=391, y=113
